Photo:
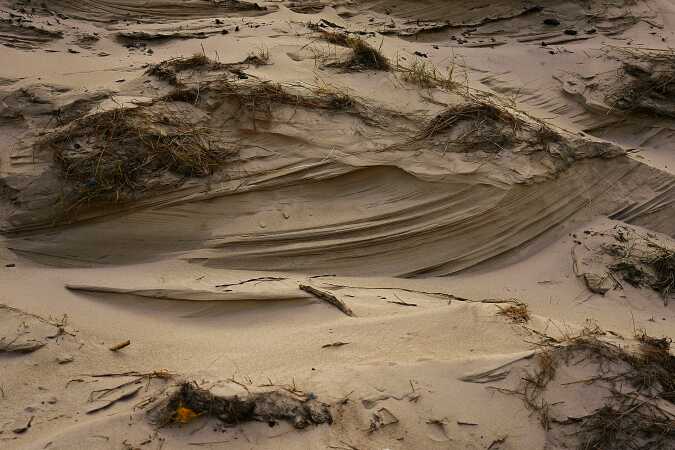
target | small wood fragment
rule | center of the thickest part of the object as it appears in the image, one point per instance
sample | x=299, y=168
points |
x=120, y=346
x=402, y=303
x=327, y=297
x=24, y=427
x=335, y=344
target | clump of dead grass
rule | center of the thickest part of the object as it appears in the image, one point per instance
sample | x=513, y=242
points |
x=363, y=55
x=259, y=57
x=632, y=418
x=475, y=125
x=111, y=155
x=335, y=37
x=168, y=70
x=425, y=75
x=627, y=424
x=262, y=97
x=517, y=313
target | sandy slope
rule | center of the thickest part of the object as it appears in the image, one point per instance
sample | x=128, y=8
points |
x=341, y=181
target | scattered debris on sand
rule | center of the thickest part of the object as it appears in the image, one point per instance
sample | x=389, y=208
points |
x=24, y=333
x=346, y=224
x=605, y=257
x=187, y=401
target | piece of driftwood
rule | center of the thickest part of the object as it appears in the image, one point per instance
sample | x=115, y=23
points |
x=120, y=346
x=327, y=297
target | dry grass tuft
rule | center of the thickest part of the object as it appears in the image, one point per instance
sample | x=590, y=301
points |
x=517, y=313
x=261, y=97
x=663, y=264
x=627, y=424
x=632, y=418
x=363, y=57
x=472, y=125
x=259, y=57
x=425, y=75
x=335, y=37
x=113, y=154
x=168, y=70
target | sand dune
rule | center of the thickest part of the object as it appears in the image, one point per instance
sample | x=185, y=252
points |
x=336, y=224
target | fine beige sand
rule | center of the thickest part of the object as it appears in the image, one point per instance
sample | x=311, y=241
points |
x=386, y=224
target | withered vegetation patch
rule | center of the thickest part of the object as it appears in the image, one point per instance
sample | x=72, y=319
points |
x=636, y=387
x=363, y=55
x=114, y=155
x=517, y=313
x=127, y=153
x=168, y=70
x=488, y=127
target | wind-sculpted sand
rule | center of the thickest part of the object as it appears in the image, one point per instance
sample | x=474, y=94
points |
x=336, y=224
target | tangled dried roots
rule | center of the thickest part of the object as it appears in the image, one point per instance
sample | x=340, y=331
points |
x=110, y=155
x=190, y=401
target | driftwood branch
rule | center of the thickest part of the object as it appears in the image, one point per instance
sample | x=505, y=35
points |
x=120, y=346
x=327, y=297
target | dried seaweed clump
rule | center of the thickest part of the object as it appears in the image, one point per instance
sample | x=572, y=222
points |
x=118, y=154
x=190, y=401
